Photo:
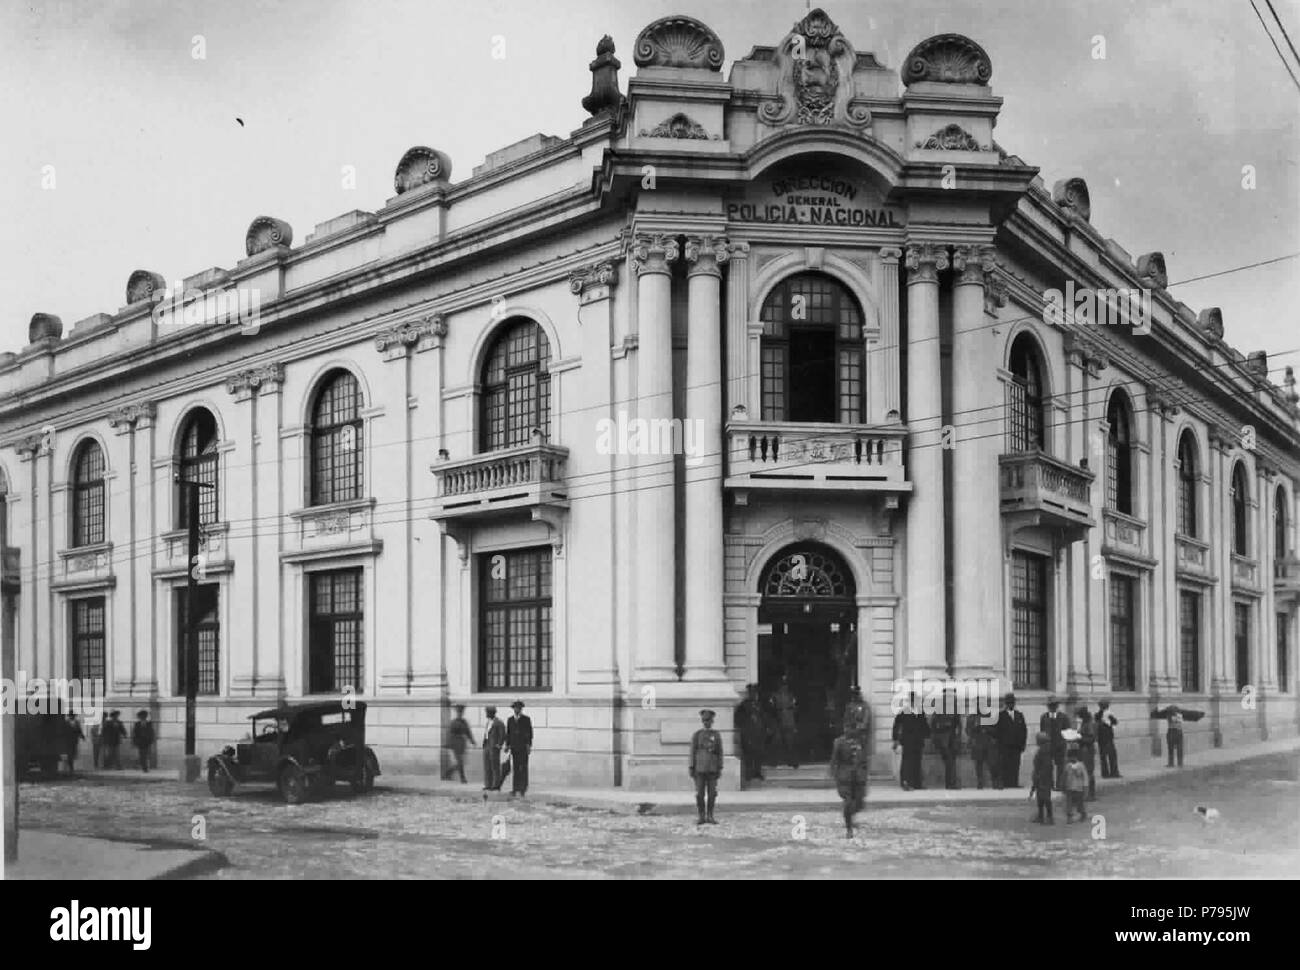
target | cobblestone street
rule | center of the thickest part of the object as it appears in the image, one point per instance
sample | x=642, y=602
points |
x=1151, y=830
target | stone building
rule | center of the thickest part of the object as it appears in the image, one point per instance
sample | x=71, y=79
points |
x=784, y=371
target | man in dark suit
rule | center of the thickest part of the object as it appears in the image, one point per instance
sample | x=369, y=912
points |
x=1012, y=734
x=494, y=736
x=749, y=724
x=519, y=742
x=910, y=731
x=1053, y=722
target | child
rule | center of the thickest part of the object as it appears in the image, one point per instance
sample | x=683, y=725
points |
x=1075, y=783
x=1044, y=769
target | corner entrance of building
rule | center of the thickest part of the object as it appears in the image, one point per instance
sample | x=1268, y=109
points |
x=807, y=653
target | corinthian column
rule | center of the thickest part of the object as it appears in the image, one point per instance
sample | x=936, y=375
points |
x=703, y=436
x=977, y=416
x=926, y=620
x=656, y=609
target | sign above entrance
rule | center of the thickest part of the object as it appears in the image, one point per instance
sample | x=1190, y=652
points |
x=815, y=199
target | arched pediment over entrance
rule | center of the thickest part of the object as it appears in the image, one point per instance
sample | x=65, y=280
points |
x=854, y=151
x=819, y=181
x=830, y=536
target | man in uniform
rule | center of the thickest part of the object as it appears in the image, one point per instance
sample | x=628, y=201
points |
x=494, y=736
x=519, y=742
x=1054, y=721
x=849, y=769
x=1012, y=734
x=749, y=723
x=786, y=721
x=910, y=731
x=945, y=734
x=706, y=765
x=857, y=717
x=983, y=749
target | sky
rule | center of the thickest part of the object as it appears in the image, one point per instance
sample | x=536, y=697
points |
x=151, y=170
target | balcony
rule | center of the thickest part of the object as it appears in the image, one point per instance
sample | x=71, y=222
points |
x=1286, y=579
x=1245, y=574
x=816, y=457
x=10, y=560
x=1125, y=537
x=524, y=478
x=1193, y=558
x=1038, y=490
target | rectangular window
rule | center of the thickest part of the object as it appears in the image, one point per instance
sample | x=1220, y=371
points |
x=88, y=514
x=208, y=631
x=1189, y=638
x=1283, y=650
x=515, y=619
x=773, y=377
x=88, y=640
x=1024, y=420
x=1242, y=629
x=1123, y=627
x=335, y=632
x=1029, y=621
x=850, y=386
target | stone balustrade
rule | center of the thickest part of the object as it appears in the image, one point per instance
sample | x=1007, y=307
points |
x=843, y=457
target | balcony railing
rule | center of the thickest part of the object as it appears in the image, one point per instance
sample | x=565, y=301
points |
x=1042, y=490
x=836, y=457
x=521, y=477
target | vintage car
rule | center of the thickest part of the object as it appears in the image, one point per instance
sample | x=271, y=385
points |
x=303, y=749
x=41, y=741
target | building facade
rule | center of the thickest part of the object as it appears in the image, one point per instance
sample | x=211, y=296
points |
x=786, y=372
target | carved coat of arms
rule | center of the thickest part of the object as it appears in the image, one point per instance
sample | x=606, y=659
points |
x=816, y=80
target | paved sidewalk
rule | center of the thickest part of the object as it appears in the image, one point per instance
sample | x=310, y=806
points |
x=54, y=855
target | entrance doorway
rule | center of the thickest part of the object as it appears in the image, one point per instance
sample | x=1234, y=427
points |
x=807, y=653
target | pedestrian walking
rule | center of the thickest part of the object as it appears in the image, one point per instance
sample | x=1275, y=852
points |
x=910, y=731
x=519, y=743
x=705, y=766
x=1088, y=749
x=787, y=720
x=945, y=735
x=494, y=737
x=459, y=737
x=1055, y=721
x=857, y=718
x=1074, y=780
x=1106, y=724
x=142, y=738
x=1043, y=778
x=1011, y=732
x=983, y=746
x=96, y=742
x=753, y=735
x=111, y=738
x=73, y=736
x=849, y=769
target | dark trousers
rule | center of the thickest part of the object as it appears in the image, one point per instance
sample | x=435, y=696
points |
x=519, y=771
x=1009, y=762
x=458, y=756
x=751, y=761
x=1109, y=760
x=949, y=766
x=142, y=756
x=706, y=793
x=1175, y=742
x=787, y=739
x=1058, y=759
x=1074, y=803
x=854, y=795
x=1089, y=762
x=1044, y=804
x=113, y=756
x=94, y=752
x=910, y=770
x=491, y=768
x=989, y=758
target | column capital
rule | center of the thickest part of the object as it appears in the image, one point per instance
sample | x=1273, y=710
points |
x=738, y=250
x=973, y=263
x=1221, y=439
x=423, y=334
x=653, y=252
x=265, y=379
x=1163, y=406
x=890, y=254
x=124, y=420
x=706, y=254
x=594, y=282
x=34, y=445
x=924, y=261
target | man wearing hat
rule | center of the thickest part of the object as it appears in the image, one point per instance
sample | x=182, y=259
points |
x=706, y=765
x=1012, y=734
x=111, y=738
x=519, y=742
x=142, y=738
x=1106, y=723
x=459, y=737
x=494, y=736
x=857, y=717
x=1053, y=722
x=753, y=734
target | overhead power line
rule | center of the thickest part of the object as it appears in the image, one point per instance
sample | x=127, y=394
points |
x=1271, y=40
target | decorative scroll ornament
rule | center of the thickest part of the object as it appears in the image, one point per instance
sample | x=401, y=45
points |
x=806, y=573
x=1072, y=194
x=605, y=97
x=974, y=263
x=420, y=166
x=265, y=232
x=131, y=414
x=652, y=253
x=678, y=126
x=816, y=80
x=44, y=326
x=409, y=334
x=678, y=42
x=950, y=59
x=1211, y=321
x=925, y=261
x=143, y=285
x=714, y=250
x=601, y=274
x=34, y=445
x=256, y=377
x=1151, y=270
x=953, y=138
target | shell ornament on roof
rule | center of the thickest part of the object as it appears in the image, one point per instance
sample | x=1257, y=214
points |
x=678, y=42
x=143, y=284
x=1151, y=270
x=949, y=59
x=815, y=86
x=266, y=232
x=420, y=166
x=1072, y=194
x=44, y=326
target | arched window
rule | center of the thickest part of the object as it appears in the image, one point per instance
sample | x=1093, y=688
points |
x=1239, y=495
x=197, y=459
x=812, y=366
x=1119, y=455
x=516, y=387
x=336, y=445
x=88, y=495
x=1188, y=472
x=1279, y=524
x=1025, y=398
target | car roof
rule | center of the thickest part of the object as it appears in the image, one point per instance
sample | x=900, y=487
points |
x=316, y=707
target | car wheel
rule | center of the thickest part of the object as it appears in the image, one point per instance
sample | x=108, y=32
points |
x=367, y=780
x=293, y=785
x=219, y=782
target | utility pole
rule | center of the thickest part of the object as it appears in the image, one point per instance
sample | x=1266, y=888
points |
x=190, y=768
x=8, y=664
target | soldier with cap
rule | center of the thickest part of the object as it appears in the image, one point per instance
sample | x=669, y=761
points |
x=1012, y=733
x=519, y=743
x=753, y=735
x=705, y=766
x=857, y=716
x=849, y=769
x=1053, y=722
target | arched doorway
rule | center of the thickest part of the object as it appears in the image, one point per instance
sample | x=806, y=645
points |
x=808, y=634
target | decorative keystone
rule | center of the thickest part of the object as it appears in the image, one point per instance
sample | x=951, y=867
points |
x=265, y=233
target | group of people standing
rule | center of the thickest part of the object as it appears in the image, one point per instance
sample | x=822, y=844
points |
x=106, y=739
x=511, y=740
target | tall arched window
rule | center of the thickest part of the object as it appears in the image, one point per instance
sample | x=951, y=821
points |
x=1119, y=455
x=1279, y=524
x=516, y=395
x=88, y=495
x=1025, y=398
x=336, y=445
x=1239, y=496
x=197, y=459
x=812, y=367
x=1188, y=472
